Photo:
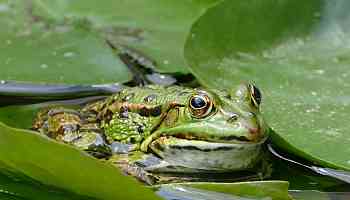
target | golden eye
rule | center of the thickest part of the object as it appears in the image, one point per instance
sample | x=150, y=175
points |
x=200, y=105
x=255, y=95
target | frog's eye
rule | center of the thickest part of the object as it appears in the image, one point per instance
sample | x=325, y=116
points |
x=255, y=95
x=200, y=105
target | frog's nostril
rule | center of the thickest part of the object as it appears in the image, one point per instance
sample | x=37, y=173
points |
x=253, y=131
x=232, y=118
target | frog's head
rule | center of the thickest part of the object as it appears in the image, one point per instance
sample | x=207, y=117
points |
x=228, y=116
x=221, y=124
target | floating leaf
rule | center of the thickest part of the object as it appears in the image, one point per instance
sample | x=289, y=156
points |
x=65, y=167
x=34, y=52
x=298, y=55
x=14, y=186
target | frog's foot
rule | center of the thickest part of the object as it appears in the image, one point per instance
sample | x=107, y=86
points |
x=122, y=148
x=58, y=122
x=93, y=143
x=123, y=161
x=68, y=126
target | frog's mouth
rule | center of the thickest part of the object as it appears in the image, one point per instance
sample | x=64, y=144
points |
x=192, y=138
x=221, y=139
x=193, y=143
x=242, y=134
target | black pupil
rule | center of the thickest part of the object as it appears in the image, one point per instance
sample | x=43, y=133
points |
x=197, y=102
x=257, y=95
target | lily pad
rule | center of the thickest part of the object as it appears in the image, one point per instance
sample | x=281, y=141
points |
x=297, y=53
x=157, y=28
x=32, y=51
x=65, y=167
x=15, y=187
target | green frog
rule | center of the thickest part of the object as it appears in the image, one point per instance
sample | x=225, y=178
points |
x=161, y=134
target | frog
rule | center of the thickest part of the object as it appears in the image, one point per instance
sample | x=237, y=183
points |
x=162, y=134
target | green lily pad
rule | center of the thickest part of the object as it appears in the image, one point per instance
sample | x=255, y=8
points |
x=32, y=51
x=157, y=28
x=297, y=53
x=274, y=190
x=65, y=167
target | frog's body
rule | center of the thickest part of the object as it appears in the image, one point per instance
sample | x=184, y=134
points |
x=177, y=129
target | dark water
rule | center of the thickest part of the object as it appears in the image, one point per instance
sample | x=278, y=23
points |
x=187, y=193
x=303, y=179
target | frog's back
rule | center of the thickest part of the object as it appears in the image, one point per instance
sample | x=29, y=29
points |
x=152, y=94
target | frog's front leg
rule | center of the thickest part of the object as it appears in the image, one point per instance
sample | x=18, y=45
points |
x=68, y=126
x=167, y=118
